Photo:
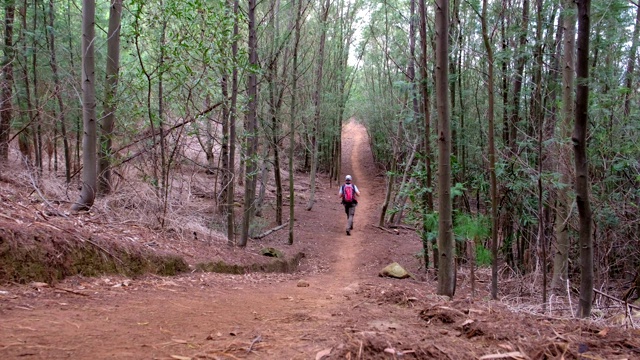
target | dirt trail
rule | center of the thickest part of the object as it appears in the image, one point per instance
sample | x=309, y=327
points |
x=334, y=307
x=211, y=315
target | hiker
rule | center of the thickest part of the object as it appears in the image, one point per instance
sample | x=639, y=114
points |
x=348, y=194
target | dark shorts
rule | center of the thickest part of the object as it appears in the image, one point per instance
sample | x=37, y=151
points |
x=347, y=207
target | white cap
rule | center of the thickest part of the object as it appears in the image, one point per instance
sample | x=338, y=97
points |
x=348, y=177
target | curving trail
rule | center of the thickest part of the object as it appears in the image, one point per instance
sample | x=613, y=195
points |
x=194, y=316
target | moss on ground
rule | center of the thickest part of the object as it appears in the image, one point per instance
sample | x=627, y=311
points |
x=38, y=254
x=278, y=265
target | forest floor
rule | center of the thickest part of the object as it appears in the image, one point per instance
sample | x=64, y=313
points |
x=335, y=306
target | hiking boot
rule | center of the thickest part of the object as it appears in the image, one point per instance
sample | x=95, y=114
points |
x=348, y=232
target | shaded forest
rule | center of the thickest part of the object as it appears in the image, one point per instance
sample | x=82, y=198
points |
x=507, y=129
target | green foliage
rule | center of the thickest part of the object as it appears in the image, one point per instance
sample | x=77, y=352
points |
x=471, y=227
x=483, y=256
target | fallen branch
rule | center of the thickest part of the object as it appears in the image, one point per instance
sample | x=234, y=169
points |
x=256, y=340
x=270, y=231
x=404, y=227
x=616, y=299
x=383, y=229
x=70, y=291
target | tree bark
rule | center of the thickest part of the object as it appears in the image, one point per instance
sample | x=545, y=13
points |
x=6, y=112
x=521, y=57
x=110, y=104
x=58, y=93
x=561, y=256
x=316, y=102
x=579, y=139
x=446, y=270
x=631, y=63
x=89, y=156
x=427, y=197
x=232, y=129
x=492, y=154
x=252, y=136
x=292, y=126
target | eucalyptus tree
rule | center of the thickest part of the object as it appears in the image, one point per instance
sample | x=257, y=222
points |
x=315, y=132
x=297, y=16
x=427, y=193
x=563, y=211
x=250, y=127
x=110, y=100
x=231, y=121
x=89, y=139
x=446, y=268
x=6, y=89
x=61, y=117
x=579, y=139
x=631, y=64
x=492, y=152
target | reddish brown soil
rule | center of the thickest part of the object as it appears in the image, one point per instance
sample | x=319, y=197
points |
x=335, y=306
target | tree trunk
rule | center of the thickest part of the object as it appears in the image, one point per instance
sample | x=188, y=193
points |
x=631, y=63
x=58, y=93
x=492, y=155
x=427, y=197
x=561, y=256
x=6, y=113
x=521, y=57
x=446, y=269
x=581, y=161
x=232, y=129
x=110, y=103
x=316, y=101
x=37, y=119
x=89, y=156
x=292, y=127
x=264, y=179
x=252, y=136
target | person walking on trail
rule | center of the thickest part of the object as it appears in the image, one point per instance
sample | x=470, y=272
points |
x=349, y=195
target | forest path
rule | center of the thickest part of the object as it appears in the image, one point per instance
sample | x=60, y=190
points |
x=213, y=315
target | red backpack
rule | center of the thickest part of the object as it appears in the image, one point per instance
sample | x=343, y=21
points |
x=347, y=191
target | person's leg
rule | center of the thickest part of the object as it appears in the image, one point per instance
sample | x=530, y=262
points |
x=352, y=210
x=352, y=213
x=346, y=210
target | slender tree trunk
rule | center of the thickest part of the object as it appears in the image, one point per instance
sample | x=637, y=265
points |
x=631, y=63
x=275, y=103
x=492, y=155
x=292, y=126
x=264, y=180
x=505, y=79
x=252, y=136
x=427, y=197
x=316, y=101
x=6, y=107
x=110, y=103
x=37, y=124
x=224, y=146
x=26, y=94
x=387, y=197
x=165, y=163
x=89, y=139
x=232, y=129
x=446, y=269
x=581, y=161
x=537, y=123
x=561, y=256
x=521, y=56
x=58, y=93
